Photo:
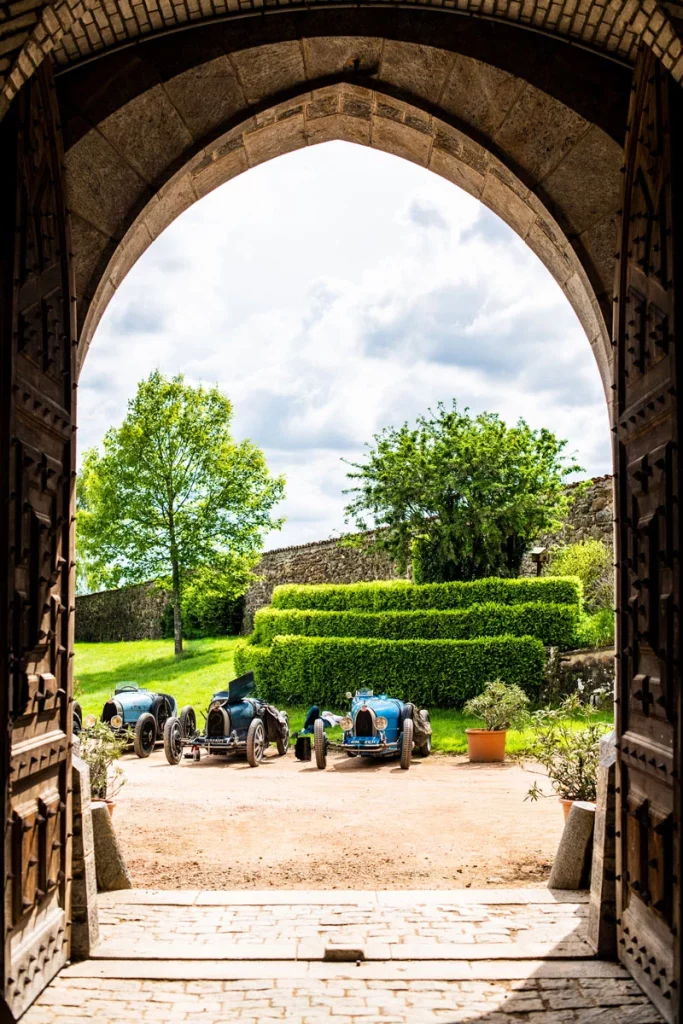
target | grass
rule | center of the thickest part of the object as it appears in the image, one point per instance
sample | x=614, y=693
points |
x=207, y=666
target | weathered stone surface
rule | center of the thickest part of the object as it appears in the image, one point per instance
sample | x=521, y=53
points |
x=416, y=70
x=85, y=926
x=109, y=861
x=132, y=613
x=572, y=862
x=479, y=94
x=207, y=95
x=329, y=55
x=602, y=915
x=593, y=162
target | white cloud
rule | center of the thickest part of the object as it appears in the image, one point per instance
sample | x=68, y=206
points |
x=332, y=292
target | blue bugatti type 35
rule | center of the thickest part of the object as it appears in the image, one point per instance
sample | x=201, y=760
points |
x=235, y=722
x=138, y=714
x=377, y=726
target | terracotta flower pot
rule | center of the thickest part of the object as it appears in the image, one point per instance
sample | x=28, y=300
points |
x=486, y=744
x=566, y=807
x=111, y=804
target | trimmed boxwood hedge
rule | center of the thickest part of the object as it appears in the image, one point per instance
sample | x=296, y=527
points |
x=554, y=624
x=433, y=673
x=399, y=595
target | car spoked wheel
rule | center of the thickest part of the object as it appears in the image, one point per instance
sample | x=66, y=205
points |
x=407, y=744
x=173, y=741
x=256, y=742
x=426, y=748
x=145, y=735
x=319, y=743
x=188, y=721
x=282, y=741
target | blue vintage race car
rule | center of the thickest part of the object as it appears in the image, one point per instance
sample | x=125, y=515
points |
x=235, y=722
x=377, y=726
x=138, y=714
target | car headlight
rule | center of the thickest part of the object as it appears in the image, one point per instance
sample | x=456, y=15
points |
x=90, y=721
x=214, y=706
x=348, y=695
x=347, y=724
x=116, y=721
x=381, y=723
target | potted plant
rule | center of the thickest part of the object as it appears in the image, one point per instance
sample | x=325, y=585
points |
x=501, y=707
x=100, y=749
x=566, y=744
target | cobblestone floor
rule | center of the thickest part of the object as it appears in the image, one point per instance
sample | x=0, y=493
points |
x=254, y=958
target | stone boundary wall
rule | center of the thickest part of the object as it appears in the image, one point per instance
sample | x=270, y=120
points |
x=134, y=613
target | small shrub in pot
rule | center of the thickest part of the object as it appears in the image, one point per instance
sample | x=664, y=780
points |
x=500, y=706
x=100, y=748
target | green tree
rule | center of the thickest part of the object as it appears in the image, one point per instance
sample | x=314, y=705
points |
x=592, y=561
x=461, y=496
x=173, y=497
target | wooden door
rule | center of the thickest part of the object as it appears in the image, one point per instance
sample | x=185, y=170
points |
x=37, y=401
x=647, y=457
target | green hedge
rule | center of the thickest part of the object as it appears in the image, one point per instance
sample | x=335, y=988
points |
x=554, y=624
x=399, y=595
x=433, y=673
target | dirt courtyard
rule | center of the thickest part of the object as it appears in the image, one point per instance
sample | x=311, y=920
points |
x=361, y=824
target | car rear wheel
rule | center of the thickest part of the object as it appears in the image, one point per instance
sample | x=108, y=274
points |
x=188, y=721
x=407, y=744
x=77, y=719
x=173, y=741
x=319, y=743
x=145, y=735
x=256, y=742
x=282, y=742
x=426, y=748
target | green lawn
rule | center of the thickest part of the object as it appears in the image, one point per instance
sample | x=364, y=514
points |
x=207, y=666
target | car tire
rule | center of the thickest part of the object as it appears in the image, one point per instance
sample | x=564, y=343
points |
x=282, y=742
x=426, y=748
x=77, y=719
x=188, y=722
x=351, y=753
x=407, y=744
x=173, y=740
x=319, y=743
x=256, y=742
x=145, y=735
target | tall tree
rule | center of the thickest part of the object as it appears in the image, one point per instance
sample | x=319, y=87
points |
x=172, y=495
x=461, y=496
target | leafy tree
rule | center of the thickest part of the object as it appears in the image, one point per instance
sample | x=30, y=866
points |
x=463, y=496
x=592, y=561
x=173, y=497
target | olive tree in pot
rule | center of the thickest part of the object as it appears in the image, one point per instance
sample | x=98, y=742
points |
x=566, y=744
x=501, y=707
x=100, y=748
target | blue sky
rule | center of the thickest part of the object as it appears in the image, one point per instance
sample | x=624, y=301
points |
x=334, y=291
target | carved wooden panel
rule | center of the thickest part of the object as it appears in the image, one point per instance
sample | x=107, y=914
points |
x=37, y=408
x=646, y=412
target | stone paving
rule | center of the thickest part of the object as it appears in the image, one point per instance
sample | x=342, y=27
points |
x=427, y=957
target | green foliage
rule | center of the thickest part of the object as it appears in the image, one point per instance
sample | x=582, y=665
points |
x=399, y=595
x=591, y=562
x=554, y=624
x=596, y=630
x=172, y=495
x=568, y=755
x=433, y=673
x=212, y=603
x=501, y=706
x=465, y=496
x=100, y=748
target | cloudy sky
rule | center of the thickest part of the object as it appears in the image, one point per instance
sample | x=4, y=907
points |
x=334, y=291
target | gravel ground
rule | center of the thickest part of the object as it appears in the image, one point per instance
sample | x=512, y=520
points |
x=360, y=824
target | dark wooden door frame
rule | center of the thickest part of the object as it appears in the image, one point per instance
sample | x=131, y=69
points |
x=37, y=448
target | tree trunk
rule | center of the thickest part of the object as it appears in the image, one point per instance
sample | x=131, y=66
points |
x=177, y=623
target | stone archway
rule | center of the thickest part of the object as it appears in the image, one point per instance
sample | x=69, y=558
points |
x=531, y=125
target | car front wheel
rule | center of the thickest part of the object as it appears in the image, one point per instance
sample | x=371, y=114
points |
x=407, y=744
x=319, y=743
x=173, y=741
x=256, y=742
x=188, y=721
x=145, y=735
